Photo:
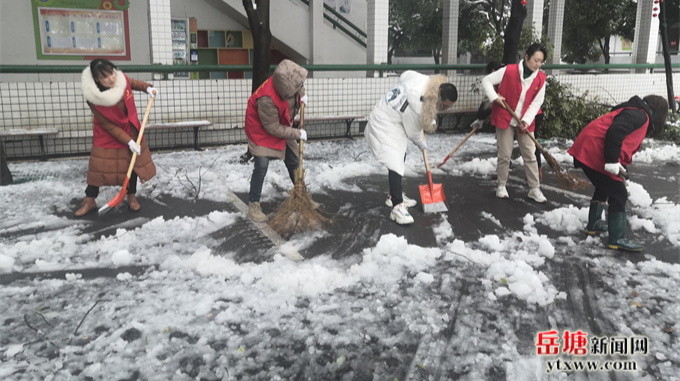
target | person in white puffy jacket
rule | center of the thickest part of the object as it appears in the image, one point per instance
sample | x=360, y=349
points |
x=402, y=115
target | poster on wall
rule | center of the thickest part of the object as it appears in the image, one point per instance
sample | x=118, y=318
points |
x=81, y=29
x=626, y=44
x=344, y=6
x=81, y=32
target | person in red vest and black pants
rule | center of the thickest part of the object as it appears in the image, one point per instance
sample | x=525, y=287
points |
x=605, y=146
x=108, y=92
x=269, y=127
x=522, y=87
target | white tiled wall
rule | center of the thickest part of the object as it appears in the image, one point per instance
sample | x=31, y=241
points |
x=646, y=32
x=534, y=15
x=160, y=33
x=60, y=104
x=555, y=27
x=378, y=27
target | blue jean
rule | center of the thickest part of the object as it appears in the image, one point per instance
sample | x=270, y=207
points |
x=260, y=170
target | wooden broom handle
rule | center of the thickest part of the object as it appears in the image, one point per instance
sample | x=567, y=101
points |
x=141, y=135
x=507, y=107
x=459, y=145
x=302, y=143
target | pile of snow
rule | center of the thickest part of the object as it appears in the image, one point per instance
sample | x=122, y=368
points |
x=443, y=231
x=658, y=155
x=569, y=219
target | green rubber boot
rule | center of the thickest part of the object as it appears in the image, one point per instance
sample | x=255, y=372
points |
x=595, y=224
x=617, y=233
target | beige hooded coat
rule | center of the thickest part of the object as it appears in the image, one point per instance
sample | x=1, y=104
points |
x=288, y=79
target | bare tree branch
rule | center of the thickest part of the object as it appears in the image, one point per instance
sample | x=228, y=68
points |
x=83, y=319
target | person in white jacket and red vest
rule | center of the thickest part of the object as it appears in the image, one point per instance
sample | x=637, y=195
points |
x=402, y=115
x=522, y=87
x=602, y=148
x=269, y=127
x=108, y=92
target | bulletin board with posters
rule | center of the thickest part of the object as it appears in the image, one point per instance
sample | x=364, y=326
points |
x=342, y=6
x=81, y=29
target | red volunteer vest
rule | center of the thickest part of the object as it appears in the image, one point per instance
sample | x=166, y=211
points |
x=588, y=147
x=254, y=129
x=101, y=138
x=511, y=89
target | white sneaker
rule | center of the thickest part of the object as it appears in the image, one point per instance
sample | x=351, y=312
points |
x=409, y=202
x=536, y=195
x=501, y=192
x=400, y=215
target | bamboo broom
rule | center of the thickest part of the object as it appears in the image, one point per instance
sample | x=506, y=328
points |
x=299, y=212
x=565, y=179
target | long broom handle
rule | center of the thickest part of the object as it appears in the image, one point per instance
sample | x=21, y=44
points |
x=302, y=143
x=141, y=135
x=507, y=107
x=622, y=174
x=458, y=146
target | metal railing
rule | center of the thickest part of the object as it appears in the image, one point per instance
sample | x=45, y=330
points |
x=362, y=36
x=39, y=97
x=382, y=68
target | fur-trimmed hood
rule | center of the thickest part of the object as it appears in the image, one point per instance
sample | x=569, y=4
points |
x=109, y=97
x=430, y=98
x=288, y=78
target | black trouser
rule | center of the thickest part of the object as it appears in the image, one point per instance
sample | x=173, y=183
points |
x=606, y=188
x=93, y=191
x=537, y=123
x=396, y=191
x=395, y=188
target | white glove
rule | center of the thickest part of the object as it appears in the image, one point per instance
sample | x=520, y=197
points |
x=304, y=100
x=612, y=168
x=476, y=123
x=421, y=144
x=303, y=135
x=134, y=148
x=152, y=91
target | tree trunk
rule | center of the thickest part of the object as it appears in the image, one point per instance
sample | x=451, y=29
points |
x=5, y=174
x=667, y=57
x=605, y=53
x=513, y=30
x=258, y=20
x=397, y=38
x=437, y=55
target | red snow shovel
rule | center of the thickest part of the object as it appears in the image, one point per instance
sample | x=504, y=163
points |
x=117, y=199
x=432, y=195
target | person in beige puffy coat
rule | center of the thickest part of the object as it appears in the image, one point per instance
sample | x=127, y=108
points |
x=269, y=127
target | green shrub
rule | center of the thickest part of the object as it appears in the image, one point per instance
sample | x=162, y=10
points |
x=672, y=130
x=565, y=112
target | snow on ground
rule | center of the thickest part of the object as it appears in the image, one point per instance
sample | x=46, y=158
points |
x=455, y=310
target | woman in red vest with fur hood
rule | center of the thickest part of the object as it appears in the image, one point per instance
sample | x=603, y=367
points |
x=522, y=86
x=108, y=92
x=269, y=127
x=602, y=148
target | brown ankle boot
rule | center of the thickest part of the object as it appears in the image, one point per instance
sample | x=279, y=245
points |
x=88, y=205
x=133, y=205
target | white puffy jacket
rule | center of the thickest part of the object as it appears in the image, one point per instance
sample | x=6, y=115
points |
x=395, y=119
